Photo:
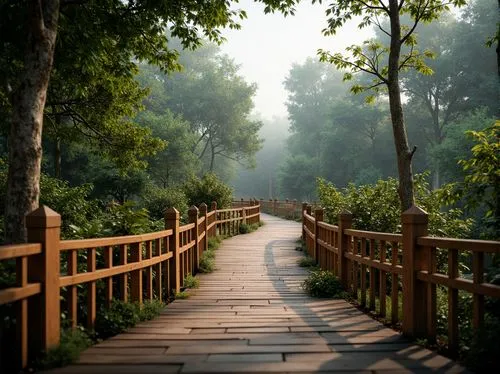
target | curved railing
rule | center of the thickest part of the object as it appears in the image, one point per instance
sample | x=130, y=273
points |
x=403, y=268
x=129, y=268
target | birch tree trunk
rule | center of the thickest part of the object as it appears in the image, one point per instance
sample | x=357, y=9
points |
x=403, y=153
x=28, y=101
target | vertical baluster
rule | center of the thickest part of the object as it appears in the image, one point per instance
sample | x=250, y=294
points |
x=108, y=282
x=431, y=296
x=395, y=284
x=382, y=281
x=123, y=278
x=372, y=275
x=136, y=275
x=363, y=273
x=22, y=313
x=158, y=270
x=92, y=296
x=72, y=290
x=355, y=267
x=452, y=301
x=149, y=271
x=478, y=278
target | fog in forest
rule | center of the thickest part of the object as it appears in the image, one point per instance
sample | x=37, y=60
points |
x=333, y=133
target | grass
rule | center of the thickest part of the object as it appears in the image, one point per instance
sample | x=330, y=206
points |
x=181, y=295
x=306, y=262
x=191, y=282
x=245, y=229
x=72, y=344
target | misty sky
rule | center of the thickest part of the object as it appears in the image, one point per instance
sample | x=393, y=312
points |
x=268, y=45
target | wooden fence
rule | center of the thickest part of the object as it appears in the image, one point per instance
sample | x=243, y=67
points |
x=378, y=266
x=130, y=268
x=289, y=209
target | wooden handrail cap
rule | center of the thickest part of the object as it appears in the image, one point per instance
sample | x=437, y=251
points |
x=414, y=214
x=43, y=217
x=345, y=214
x=172, y=213
x=193, y=211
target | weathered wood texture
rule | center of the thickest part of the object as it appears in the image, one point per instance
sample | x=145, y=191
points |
x=252, y=316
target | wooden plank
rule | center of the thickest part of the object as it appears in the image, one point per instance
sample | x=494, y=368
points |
x=251, y=315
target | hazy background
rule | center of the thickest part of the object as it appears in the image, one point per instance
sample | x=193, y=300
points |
x=268, y=45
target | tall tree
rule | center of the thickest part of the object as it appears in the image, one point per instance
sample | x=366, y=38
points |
x=369, y=58
x=216, y=101
x=28, y=32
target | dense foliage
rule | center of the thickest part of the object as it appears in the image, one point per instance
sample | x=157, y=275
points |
x=376, y=207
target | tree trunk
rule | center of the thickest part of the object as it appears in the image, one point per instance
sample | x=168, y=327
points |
x=403, y=153
x=28, y=102
x=212, y=156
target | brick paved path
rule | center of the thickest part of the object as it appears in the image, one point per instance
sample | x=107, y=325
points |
x=251, y=315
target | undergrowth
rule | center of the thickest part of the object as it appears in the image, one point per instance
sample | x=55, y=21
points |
x=322, y=283
x=307, y=262
x=191, y=282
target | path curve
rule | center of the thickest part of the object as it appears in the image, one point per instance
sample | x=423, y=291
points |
x=251, y=316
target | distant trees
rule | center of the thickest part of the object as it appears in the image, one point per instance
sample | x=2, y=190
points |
x=384, y=62
x=353, y=143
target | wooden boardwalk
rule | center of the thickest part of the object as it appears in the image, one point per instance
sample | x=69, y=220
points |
x=251, y=316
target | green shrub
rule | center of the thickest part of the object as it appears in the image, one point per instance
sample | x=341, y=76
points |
x=322, y=283
x=121, y=316
x=72, y=343
x=116, y=319
x=151, y=309
x=376, y=207
x=244, y=229
x=207, y=262
x=181, y=295
x=191, y=281
x=208, y=189
x=214, y=243
x=307, y=262
x=156, y=200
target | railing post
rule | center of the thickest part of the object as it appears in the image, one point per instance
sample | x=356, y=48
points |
x=44, y=226
x=304, y=207
x=193, y=218
x=275, y=207
x=345, y=222
x=318, y=215
x=294, y=208
x=172, y=223
x=213, y=208
x=308, y=242
x=414, y=222
x=203, y=213
x=244, y=215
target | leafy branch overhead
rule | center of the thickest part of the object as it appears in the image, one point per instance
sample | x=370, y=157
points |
x=372, y=56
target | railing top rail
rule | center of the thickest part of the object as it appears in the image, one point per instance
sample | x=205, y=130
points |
x=186, y=227
x=67, y=245
x=8, y=252
x=328, y=226
x=390, y=237
x=462, y=244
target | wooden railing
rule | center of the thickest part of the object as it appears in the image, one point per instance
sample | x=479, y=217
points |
x=283, y=208
x=401, y=268
x=129, y=268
